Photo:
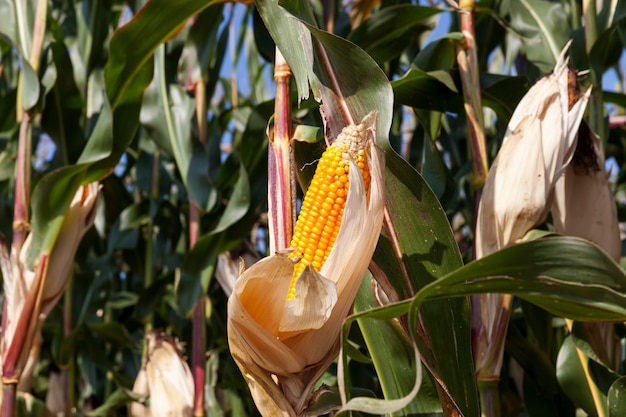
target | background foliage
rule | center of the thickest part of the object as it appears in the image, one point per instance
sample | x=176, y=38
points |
x=126, y=104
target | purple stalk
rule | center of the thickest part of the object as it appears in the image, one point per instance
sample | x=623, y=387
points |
x=198, y=332
x=281, y=177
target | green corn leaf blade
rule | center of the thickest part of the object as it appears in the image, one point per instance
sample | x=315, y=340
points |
x=568, y=277
x=133, y=45
x=373, y=405
x=545, y=29
x=112, y=332
x=617, y=397
x=108, y=141
x=8, y=24
x=502, y=93
x=573, y=380
x=27, y=405
x=62, y=121
x=363, y=86
x=238, y=204
x=393, y=356
x=385, y=35
x=416, y=248
x=340, y=73
x=127, y=72
x=50, y=199
x=439, y=54
x=118, y=398
x=293, y=40
x=205, y=48
x=30, y=86
x=428, y=90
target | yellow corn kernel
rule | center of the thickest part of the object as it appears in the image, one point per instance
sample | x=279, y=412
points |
x=322, y=209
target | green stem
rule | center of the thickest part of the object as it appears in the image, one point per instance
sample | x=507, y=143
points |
x=596, y=102
x=489, y=392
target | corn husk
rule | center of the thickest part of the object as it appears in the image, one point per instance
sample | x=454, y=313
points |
x=166, y=378
x=535, y=173
x=538, y=145
x=31, y=294
x=292, y=342
x=583, y=204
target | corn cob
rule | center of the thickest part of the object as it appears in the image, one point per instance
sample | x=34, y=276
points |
x=322, y=209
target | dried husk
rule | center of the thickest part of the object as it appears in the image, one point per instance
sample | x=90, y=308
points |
x=166, y=378
x=292, y=342
x=583, y=204
x=31, y=294
x=531, y=176
x=538, y=145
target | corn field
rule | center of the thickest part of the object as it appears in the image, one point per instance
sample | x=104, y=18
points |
x=313, y=208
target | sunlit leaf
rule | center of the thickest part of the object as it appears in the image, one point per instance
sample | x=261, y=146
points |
x=545, y=30
x=393, y=357
x=416, y=248
x=568, y=277
x=341, y=74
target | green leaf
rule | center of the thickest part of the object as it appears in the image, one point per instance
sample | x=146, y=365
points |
x=30, y=86
x=122, y=299
x=238, y=203
x=416, y=248
x=439, y=54
x=373, y=405
x=293, y=40
x=568, y=277
x=112, y=332
x=8, y=24
x=385, y=35
x=61, y=117
x=205, y=48
x=433, y=167
x=572, y=378
x=28, y=405
x=170, y=118
x=50, y=199
x=545, y=28
x=617, y=397
x=341, y=74
x=363, y=86
x=132, y=46
x=502, y=93
x=393, y=355
x=119, y=398
x=428, y=90
x=606, y=51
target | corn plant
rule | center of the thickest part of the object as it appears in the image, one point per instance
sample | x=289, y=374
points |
x=291, y=208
